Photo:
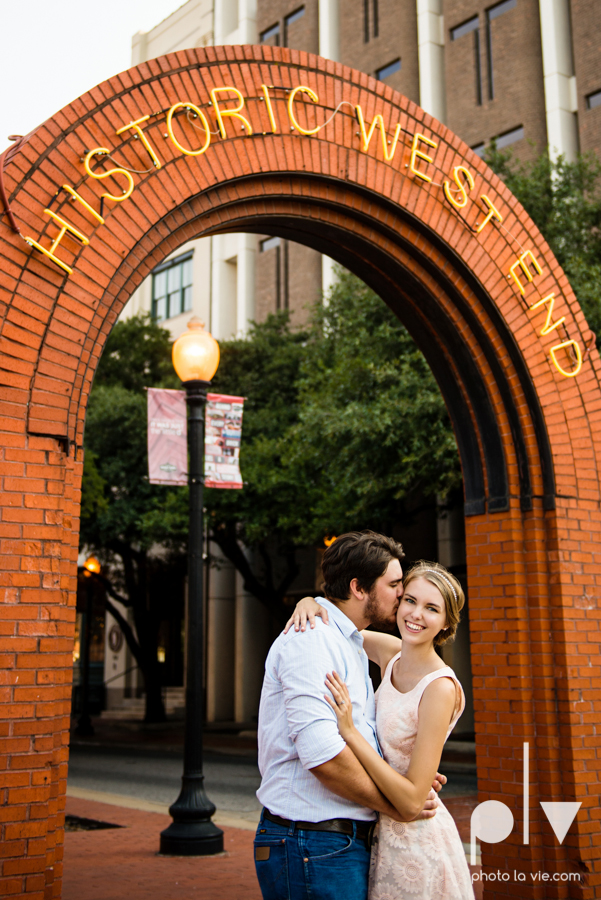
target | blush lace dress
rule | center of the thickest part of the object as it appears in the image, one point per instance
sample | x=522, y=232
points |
x=422, y=860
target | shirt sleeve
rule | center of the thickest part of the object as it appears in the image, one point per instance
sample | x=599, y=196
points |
x=303, y=665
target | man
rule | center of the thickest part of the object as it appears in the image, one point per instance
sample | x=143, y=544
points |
x=313, y=840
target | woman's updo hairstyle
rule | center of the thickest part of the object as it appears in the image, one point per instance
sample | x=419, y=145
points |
x=450, y=589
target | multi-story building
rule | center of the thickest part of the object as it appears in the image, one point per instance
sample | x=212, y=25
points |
x=525, y=72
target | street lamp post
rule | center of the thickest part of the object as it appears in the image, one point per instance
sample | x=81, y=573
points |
x=192, y=833
x=84, y=723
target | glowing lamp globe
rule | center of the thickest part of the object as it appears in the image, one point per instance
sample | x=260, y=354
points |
x=92, y=565
x=195, y=353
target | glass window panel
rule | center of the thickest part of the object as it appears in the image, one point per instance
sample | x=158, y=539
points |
x=390, y=69
x=159, y=285
x=187, y=299
x=175, y=304
x=159, y=309
x=295, y=16
x=174, y=278
x=500, y=8
x=460, y=30
x=187, y=272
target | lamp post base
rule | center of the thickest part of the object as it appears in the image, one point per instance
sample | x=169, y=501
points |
x=192, y=833
x=191, y=839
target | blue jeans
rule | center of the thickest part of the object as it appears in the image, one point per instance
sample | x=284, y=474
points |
x=293, y=864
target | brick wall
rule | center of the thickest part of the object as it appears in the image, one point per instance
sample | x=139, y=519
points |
x=517, y=75
x=396, y=38
x=301, y=34
x=534, y=565
x=586, y=41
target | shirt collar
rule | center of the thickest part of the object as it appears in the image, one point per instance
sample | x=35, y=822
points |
x=343, y=622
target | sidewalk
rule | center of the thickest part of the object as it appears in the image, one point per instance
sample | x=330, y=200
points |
x=122, y=863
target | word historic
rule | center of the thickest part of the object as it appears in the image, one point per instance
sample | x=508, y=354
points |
x=566, y=355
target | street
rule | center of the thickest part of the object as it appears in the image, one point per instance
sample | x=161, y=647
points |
x=231, y=780
x=155, y=775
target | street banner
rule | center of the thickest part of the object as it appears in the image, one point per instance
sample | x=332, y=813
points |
x=223, y=431
x=167, y=437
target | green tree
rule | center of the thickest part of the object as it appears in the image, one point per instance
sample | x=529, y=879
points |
x=118, y=502
x=263, y=367
x=564, y=200
x=373, y=432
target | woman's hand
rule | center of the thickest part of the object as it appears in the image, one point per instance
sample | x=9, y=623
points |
x=341, y=704
x=307, y=608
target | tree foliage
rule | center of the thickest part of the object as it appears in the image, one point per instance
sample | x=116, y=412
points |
x=372, y=432
x=119, y=505
x=564, y=200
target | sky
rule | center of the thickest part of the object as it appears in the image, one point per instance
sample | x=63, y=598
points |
x=55, y=50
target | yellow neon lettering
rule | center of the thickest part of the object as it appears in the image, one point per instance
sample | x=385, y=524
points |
x=136, y=126
x=80, y=199
x=493, y=213
x=233, y=113
x=64, y=227
x=565, y=345
x=274, y=126
x=458, y=170
x=416, y=152
x=303, y=90
x=549, y=326
x=205, y=125
x=367, y=135
x=521, y=263
x=130, y=180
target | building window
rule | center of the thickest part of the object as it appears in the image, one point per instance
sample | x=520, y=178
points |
x=493, y=13
x=269, y=244
x=385, y=71
x=172, y=288
x=510, y=137
x=466, y=28
x=593, y=100
x=281, y=268
x=295, y=16
x=271, y=34
x=290, y=20
x=375, y=15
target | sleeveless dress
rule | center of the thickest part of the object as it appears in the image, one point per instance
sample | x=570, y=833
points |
x=425, y=859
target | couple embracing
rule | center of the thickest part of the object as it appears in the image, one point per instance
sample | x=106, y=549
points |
x=349, y=779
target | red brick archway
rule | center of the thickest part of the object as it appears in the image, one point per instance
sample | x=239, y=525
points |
x=526, y=428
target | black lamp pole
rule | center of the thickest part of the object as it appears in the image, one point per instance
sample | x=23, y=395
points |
x=192, y=833
x=84, y=723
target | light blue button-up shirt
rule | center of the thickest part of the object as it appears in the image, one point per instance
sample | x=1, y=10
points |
x=298, y=729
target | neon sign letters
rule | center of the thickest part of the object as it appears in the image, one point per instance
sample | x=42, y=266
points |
x=566, y=355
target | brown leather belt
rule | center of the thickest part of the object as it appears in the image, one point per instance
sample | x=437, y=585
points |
x=363, y=830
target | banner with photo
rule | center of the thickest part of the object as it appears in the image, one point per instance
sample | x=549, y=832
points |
x=167, y=439
x=223, y=431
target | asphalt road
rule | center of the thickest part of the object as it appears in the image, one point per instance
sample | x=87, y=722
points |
x=154, y=775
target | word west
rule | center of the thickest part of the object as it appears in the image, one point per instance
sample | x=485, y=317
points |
x=566, y=355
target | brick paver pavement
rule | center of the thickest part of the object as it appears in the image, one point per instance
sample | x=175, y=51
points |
x=122, y=863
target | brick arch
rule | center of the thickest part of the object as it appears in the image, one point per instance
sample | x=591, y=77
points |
x=528, y=437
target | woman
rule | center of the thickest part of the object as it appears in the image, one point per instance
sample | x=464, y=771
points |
x=418, y=704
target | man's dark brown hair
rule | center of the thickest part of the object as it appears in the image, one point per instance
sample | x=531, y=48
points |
x=363, y=555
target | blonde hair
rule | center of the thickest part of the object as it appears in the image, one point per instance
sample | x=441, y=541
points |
x=450, y=590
